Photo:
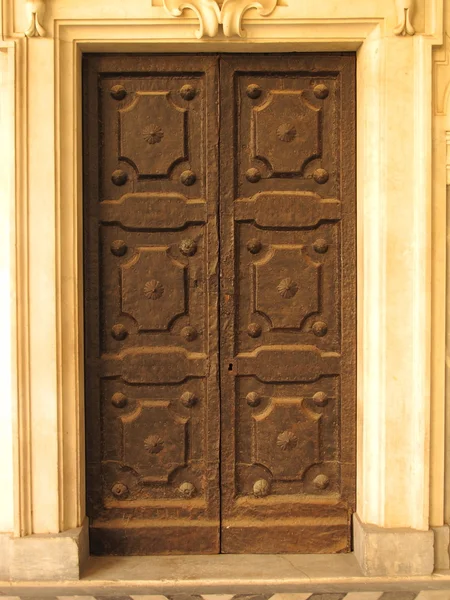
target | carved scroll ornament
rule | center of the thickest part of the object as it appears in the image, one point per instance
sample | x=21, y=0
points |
x=35, y=10
x=210, y=14
x=404, y=8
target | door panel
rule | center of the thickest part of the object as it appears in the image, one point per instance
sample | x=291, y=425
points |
x=151, y=304
x=287, y=303
x=282, y=422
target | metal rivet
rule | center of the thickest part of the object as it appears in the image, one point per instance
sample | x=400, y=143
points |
x=188, y=177
x=320, y=328
x=186, y=489
x=320, y=246
x=118, y=92
x=118, y=247
x=254, y=91
x=189, y=333
x=320, y=398
x=119, y=332
x=254, y=246
x=254, y=330
x=188, y=399
x=321, y=481
x=253, y=175
x=119, y=177
x=187, y=92
x=120, y=490
x=119, y=400
x=321, y=91
x=321, y=175
x=253, y=399
x=261, y=488
x=188, y=247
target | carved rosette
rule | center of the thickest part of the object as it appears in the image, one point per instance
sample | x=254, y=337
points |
x=210, y=15
x=154, y=444
x=287, y=440
x=153, y=134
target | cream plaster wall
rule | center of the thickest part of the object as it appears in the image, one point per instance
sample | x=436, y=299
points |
x=401, y=242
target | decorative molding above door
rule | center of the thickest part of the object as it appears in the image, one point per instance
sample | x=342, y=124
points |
x=211, y=14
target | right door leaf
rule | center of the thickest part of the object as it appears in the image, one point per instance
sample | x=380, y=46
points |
x=288, y=303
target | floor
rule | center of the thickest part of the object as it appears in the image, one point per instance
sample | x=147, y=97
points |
x=231, y=577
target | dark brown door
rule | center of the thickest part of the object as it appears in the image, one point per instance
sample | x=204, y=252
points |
x=220, y=420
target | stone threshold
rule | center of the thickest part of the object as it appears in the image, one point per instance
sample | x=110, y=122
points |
x=224, y=574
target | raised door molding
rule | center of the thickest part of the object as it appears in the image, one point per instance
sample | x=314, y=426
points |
x=211, y=15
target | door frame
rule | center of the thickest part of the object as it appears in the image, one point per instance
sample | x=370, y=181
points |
x=393, y=263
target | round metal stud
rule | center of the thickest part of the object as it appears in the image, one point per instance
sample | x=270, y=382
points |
x=186, y=489
x=321, y=481
x=254, y=246
x=119, y=177
x=120, y=490
x=188, y=247
x=261, y=488
x=320, y=328
x=321, y=176
x=321, y=91
x=188, y=177
x=118, y=92
x=254, y=330
x=320, y=246
x=119, y=332
x=118, y=247
x=188, y=399
x=189, y=333
x=119, y=400
x=320, y=399
x=187, y=92
x=253, y=175
x=253, y=399
x=254, y=91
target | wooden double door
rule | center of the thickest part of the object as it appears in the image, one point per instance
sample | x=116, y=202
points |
x=220, y=302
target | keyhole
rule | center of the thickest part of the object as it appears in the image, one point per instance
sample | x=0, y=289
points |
x=230, y=367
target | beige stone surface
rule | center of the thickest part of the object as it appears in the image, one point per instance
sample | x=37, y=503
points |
x=393, y=552
x=44, y=557
x=441, y=547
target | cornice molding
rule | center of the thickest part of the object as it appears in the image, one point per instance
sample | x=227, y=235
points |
x=35, y=10
x=211, y=15
x=404, y=9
